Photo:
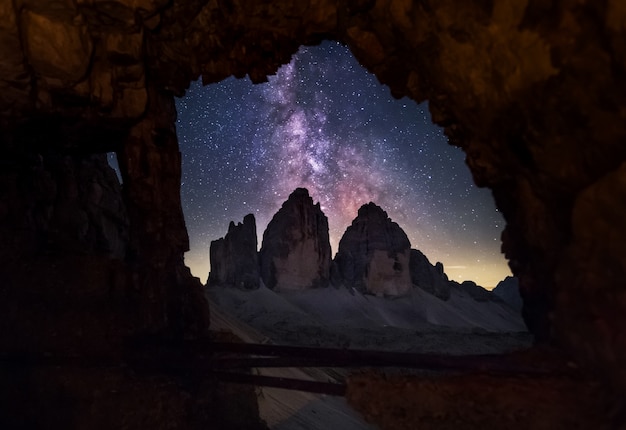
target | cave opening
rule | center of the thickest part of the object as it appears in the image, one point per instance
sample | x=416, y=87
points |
x=324, y=123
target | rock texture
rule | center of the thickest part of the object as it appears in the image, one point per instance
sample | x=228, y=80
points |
x=508, y=291
x=234, y=258
x=429, y=278
x=295, y=253
x=374, y=254
x=62, y=202
x=533, y=92
x=497, y=400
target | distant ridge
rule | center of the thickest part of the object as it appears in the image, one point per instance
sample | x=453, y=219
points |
x=508, y=291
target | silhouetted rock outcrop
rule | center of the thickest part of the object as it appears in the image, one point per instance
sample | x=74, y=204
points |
x=234, y=258
x=475, y=291
x=373, y=254
x=295, y=253
x=508, y=291
x=429, y=278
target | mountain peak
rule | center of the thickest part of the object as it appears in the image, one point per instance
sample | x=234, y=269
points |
x=233, y=258
x=299, y=193
x=374, y=254
x=295, y=253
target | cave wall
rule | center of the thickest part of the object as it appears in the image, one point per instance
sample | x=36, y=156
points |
x=532, y=91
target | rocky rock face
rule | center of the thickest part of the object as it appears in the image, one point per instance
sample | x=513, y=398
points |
x=71, y=204
x=432, y=279
x=429, y=278
x=295, y=253
x=508, y=291
x=532, y=93
x=234, y=258
x=374, y=254
x=72, y=284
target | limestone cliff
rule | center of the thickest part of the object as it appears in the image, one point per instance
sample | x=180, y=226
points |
x=429, y=278
x=374, y=254
x=295, y=253
x=234, y=258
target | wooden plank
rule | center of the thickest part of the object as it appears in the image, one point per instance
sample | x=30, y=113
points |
x=285, y=383
x=202, y=356
x=292, y=356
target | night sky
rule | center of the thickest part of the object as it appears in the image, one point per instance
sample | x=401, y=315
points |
x=324, y=123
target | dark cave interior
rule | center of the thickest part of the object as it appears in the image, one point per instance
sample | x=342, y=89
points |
x=533, y=93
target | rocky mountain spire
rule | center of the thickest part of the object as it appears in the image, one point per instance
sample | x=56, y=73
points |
x=429, y=278
x=374, y=254
x=234, y=258
x=295, y=253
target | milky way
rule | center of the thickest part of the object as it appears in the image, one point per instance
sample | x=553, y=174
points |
x=324, y=123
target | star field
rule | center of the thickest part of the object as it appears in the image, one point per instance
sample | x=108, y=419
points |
x=326, y=124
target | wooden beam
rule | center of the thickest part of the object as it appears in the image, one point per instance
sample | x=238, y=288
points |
x=293, y=356
x=285, y=383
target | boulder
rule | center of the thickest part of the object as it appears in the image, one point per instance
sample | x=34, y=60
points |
x=295, y=253
x=234, y=259
x=429, y=278
x=374, y=255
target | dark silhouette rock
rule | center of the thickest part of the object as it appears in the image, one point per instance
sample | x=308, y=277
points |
x=373, y=254
x=73, y=204
x=475, y=291
x=508, y=291
x=295, y=253
x=429, y=278
x=234, y=258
